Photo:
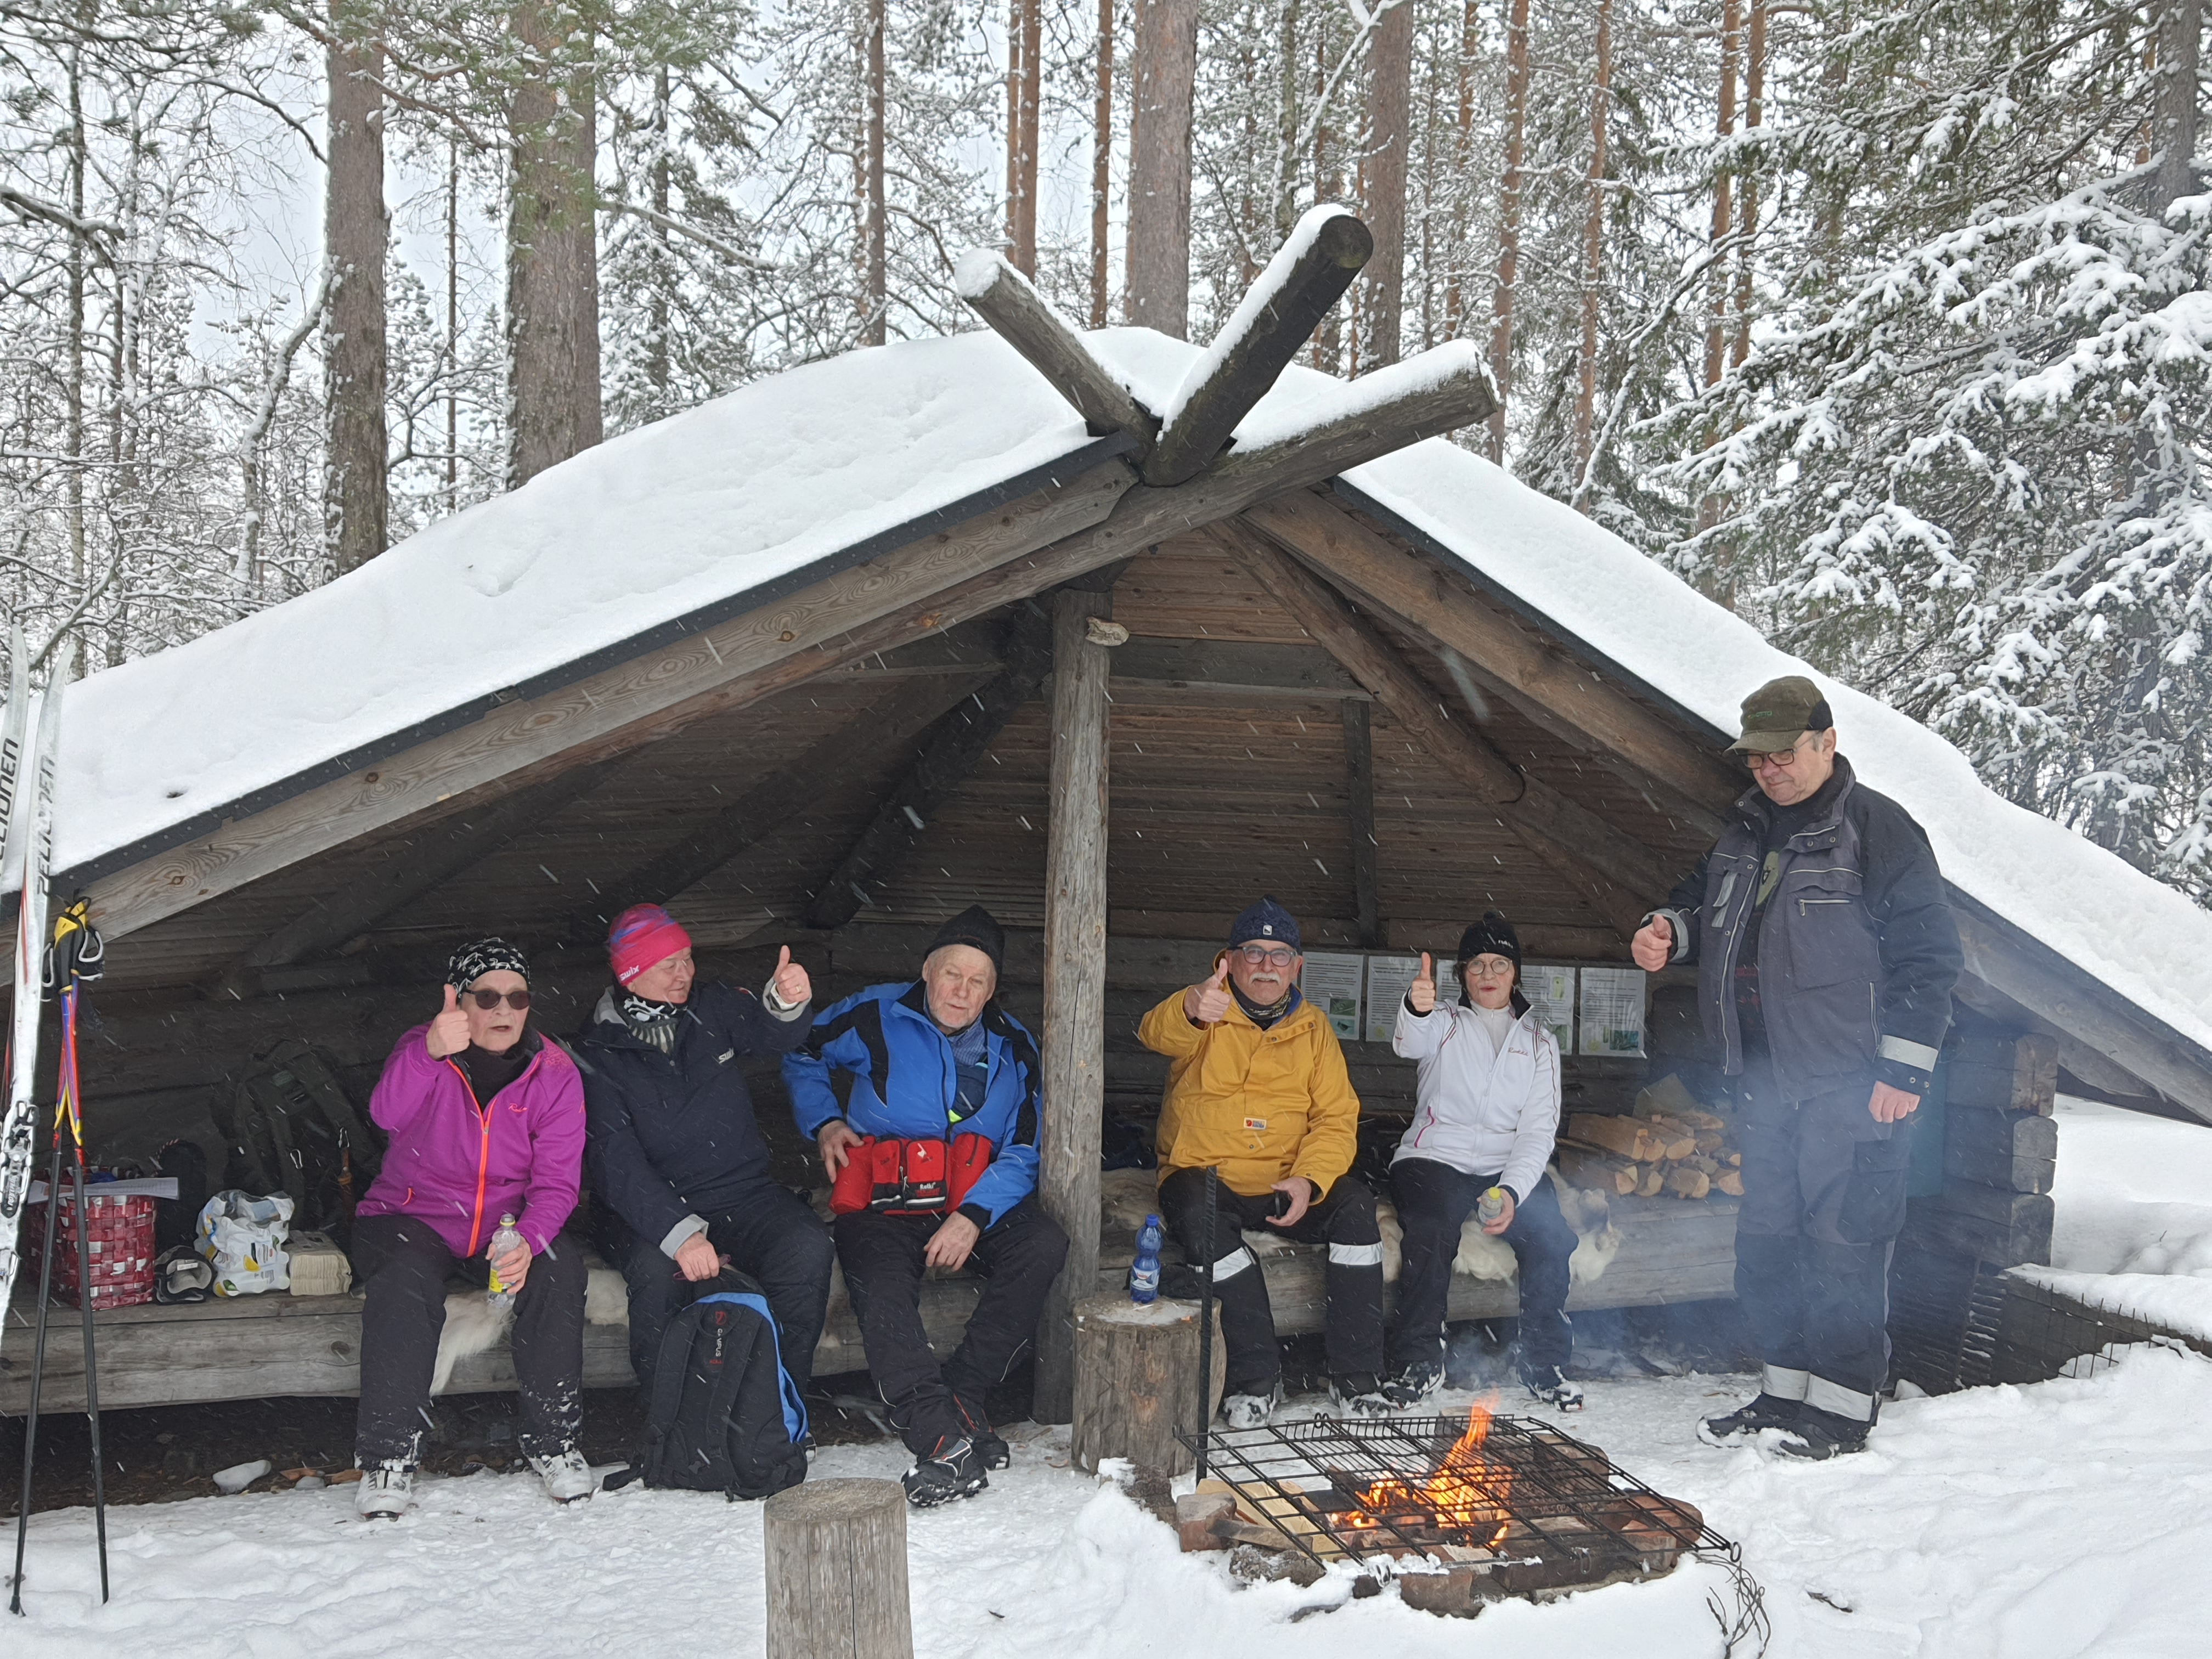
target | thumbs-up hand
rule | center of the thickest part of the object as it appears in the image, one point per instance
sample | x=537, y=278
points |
x=1207, y=1001
x=1422, y=993
x=1654, y=944
x=449, y=1032
x=789, y=980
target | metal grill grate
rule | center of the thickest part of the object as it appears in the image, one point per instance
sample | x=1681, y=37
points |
x=1530, y=1507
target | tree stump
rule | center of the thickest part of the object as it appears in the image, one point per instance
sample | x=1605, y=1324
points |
x=1136, y=1381
x=836, y=1572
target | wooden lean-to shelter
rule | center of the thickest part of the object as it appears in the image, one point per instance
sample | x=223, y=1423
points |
x=1104, y=631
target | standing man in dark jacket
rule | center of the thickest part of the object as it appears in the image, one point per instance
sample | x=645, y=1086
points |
x=933, y=1162
x=1826, y=954
x=675, y=1150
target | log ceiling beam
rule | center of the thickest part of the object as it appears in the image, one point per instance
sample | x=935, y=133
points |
x=1617, y=876
x=858, y=746
x=432, y=857
x=947, y=577
x=1235, y=669
x=1563, y=696
x=959, y=742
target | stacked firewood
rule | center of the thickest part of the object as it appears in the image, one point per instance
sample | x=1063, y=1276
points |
x=1671, y=1145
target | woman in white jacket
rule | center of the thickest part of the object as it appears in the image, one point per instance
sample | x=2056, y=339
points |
x=1489, y=1110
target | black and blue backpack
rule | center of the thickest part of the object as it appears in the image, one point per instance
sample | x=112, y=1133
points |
x=724, y=1416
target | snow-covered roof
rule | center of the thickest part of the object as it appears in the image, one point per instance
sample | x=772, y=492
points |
x=721, y=502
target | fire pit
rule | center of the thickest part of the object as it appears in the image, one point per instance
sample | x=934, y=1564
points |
x=1484, y=1506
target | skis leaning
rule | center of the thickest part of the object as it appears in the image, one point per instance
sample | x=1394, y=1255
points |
x=28, y=780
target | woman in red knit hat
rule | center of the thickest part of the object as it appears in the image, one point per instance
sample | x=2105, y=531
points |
x=676, y=1152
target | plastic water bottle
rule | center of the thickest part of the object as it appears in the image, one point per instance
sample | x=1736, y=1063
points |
x=1145, y=1271
x=1490, y=1206
x=506, y=1239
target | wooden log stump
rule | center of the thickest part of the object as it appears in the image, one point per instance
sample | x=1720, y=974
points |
x=1136, y=1381
x=836, y=1572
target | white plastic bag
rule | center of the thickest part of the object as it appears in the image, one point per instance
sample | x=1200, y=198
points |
x=244, y=1238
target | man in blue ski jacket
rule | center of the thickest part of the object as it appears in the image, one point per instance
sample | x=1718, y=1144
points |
x=932, y=1160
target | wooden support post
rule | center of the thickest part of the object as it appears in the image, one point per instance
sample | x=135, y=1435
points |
x=863, y=741
x=836, y=1572
x=1359, y=780
x=1074, y=1048
x=1294, y=292
x=1136, y=1369
x=1050, y=345
x=960, y=742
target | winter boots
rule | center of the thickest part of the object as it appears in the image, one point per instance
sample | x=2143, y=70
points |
x=386, y=1490
x=1819, y=1435
x=977, y=1426
x=568, y=1477
x=1360, y=1395
x=1737, y=1428
x=1250, y=1411
x=1551, y=1386
x=1413, y=1384
x=950, y=1470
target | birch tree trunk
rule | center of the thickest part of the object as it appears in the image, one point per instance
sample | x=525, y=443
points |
x=1390, y=94
x=1159, y=166
x=1708, y=505
x=552, y=249
x=355, y=233
x=1509, y=220
x=1594, y=241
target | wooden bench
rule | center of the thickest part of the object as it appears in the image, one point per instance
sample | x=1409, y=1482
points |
x=272, y=1345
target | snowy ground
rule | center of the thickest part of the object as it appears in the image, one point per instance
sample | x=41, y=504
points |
x=2066, y=1519
x=2019, y=1523
x=2134, y=1231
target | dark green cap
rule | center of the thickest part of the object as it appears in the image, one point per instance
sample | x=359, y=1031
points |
x=1782, y=711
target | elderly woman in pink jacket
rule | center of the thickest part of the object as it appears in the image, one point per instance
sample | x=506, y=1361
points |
x=487, y=1122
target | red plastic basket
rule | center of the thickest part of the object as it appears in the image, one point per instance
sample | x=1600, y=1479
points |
x=120, y=1232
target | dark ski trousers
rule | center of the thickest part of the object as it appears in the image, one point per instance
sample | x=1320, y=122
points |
x=402, y=1265
x=771, y=1237
x=1434, y=1201
x=1344, y=1220
x=1823, y=1202
x=1018, y=1256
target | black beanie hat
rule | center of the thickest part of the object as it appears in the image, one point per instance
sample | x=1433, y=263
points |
x=977, y=927
x=485, y=956
x=1492, y=936
x=1266, y=920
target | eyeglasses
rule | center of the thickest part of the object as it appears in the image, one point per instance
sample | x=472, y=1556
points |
x=1777, y=758
x=1257, y=955
x=490, y=1000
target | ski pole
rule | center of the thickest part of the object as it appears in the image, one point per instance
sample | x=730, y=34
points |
x=39, y=1360
x=1205, y=1323
x=73, y=934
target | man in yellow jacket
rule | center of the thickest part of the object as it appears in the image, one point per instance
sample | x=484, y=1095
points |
x=1257, y=1090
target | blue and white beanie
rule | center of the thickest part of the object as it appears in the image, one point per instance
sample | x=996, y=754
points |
x=1266, y=920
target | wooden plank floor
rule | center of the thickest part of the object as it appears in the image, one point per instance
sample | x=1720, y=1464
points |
x=273, y=1345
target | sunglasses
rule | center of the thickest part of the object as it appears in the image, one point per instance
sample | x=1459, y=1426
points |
x=490, y=1000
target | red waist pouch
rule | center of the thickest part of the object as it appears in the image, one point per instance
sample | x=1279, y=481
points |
x=919, y=1176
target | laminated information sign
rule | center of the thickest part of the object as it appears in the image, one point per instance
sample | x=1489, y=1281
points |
x=1387, y=980
x=1331, y=982
x=1612, y=1007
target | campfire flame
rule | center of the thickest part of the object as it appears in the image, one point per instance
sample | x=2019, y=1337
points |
x=1467, y=1490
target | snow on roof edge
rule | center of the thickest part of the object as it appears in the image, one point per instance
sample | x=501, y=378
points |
x=2145, y=940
